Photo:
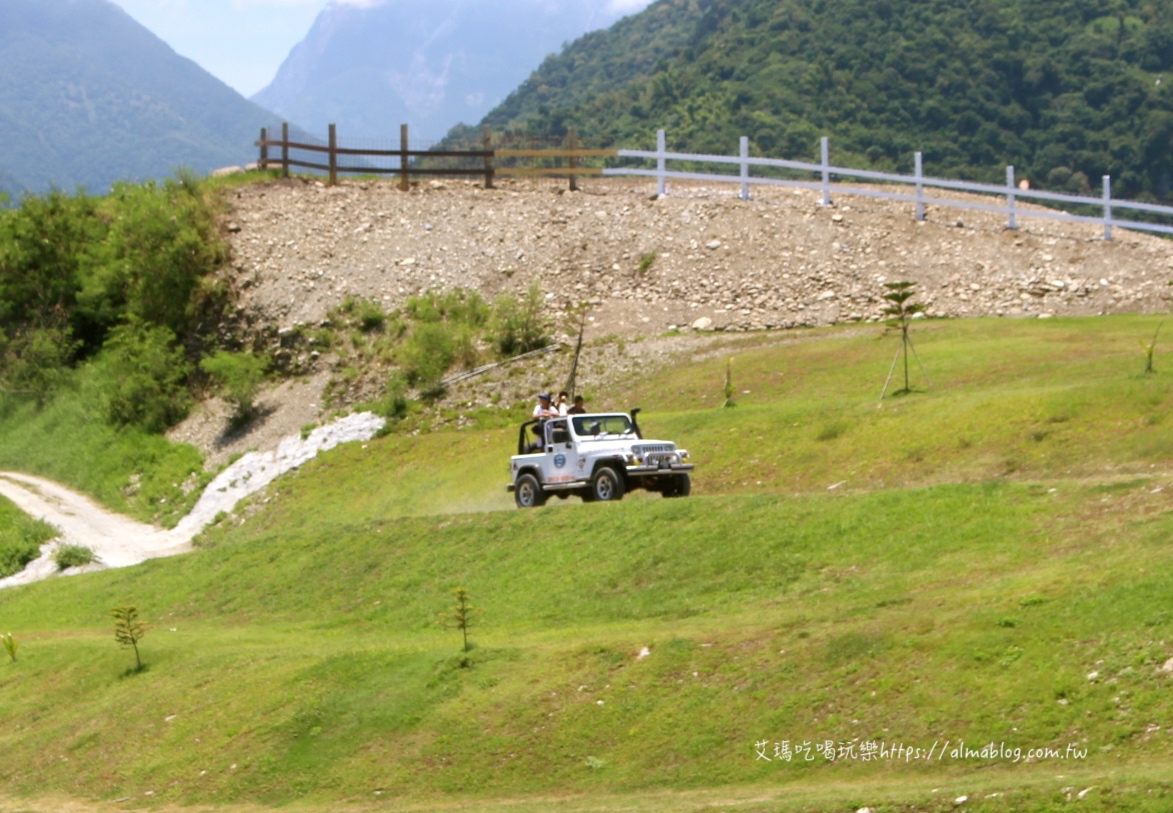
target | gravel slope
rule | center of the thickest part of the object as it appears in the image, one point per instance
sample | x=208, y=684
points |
x=780, y=260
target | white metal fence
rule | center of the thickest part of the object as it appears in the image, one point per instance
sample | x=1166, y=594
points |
x=1010, y=193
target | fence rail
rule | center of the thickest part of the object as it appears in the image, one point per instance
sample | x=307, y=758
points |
x=566, y=161
x=824, y=170
x=431, y=162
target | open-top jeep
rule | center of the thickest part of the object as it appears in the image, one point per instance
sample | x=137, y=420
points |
x=597, y=456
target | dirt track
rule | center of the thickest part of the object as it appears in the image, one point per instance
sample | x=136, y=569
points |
x=117, y=541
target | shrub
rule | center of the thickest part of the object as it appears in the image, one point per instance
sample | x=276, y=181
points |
x=10, y=646
x=67, y=556
x=240, y=375
x=145, y=371
x=427, y=354
x=519, y=325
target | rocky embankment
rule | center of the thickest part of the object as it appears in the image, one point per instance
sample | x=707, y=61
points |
x=697, y=258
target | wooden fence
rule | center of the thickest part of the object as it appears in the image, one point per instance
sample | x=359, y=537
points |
x=417, y=163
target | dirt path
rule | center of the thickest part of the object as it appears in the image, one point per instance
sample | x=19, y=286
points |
x=117, y=541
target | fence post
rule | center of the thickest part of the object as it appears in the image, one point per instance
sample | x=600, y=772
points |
x=1108, y=207
x=572, y=145
x=284, y=149
x=487, y=146
x=826, y=151
x=920, y=186
x=404, y=183
x=333, y=155
x=661, y=163
x=263, y=160
x=1012, y=217
x=745, y=167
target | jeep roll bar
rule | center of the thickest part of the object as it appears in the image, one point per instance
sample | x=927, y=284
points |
x=635, y=422
x=522, y=445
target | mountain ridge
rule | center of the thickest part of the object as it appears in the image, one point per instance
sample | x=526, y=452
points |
x=1065, y=90
x=89, y=96
x=370, y=68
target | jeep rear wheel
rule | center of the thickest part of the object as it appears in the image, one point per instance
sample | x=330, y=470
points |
x=606, y=486
x=528, y=492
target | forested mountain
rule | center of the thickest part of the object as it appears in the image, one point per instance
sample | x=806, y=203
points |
x=372, y=66
x=88, y=96
x=1066, y=90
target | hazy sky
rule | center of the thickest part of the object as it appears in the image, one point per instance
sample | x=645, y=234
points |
x=243, y=42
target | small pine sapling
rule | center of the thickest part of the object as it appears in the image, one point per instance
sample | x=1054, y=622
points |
x=462, y=616
x=902, y=311
x=728, y=384
x=1149, y=350
x=129, y=630
x=10, y=646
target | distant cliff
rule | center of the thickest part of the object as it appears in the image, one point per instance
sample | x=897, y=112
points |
x=371, y=67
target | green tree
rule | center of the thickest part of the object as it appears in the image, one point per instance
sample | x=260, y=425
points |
x=462, y=616
x=129, y=631
x=902, y=310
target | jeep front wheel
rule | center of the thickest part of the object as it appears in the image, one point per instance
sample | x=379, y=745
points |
x=606, y=485
x=528, y=492
x=678, y=486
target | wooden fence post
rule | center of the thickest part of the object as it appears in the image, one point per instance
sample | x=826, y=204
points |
x=487, y=146
x=1012, y=219
x=284, y=149
x=920, y=186
x=263, y=160
x=333, y=155
x=404, y=183
x=825, y=149
x=1108, y=207
x=572, y=145
x=661, y=163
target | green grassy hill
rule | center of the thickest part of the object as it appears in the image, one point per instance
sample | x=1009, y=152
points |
x=991, y=565
x=1065, y=90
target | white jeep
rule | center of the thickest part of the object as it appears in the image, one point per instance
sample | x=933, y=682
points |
x=597, y=456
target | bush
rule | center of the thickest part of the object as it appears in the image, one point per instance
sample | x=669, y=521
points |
x=519, y=325
x=146, y=371
x=427, y=354
x=72, y=556
x=240, y=375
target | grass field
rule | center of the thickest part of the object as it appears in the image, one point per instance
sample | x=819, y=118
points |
x=992, y=565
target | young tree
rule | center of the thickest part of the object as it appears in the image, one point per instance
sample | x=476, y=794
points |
x=129, y=630
x=729, y=389
x=462, y=615
x=1149, y=350
x=902, y=310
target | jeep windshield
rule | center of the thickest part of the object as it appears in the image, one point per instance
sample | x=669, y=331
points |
x=599, y=426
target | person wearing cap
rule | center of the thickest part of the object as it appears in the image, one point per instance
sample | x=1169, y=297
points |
x=544, y=409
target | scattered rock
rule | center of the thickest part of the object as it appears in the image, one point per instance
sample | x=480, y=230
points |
x=224, y=172
x=704, y=323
